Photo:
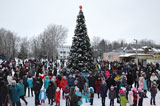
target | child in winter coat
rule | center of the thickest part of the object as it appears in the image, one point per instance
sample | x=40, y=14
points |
x=153, y=91
x=42, y=96
x=46, y=82
x=130, y=98
x=80, y=96
x=123, y=100
x=112, y=96
x=141, y=82
x=135, y=96
x=57, y=96
x=63, y=84
x=91, y=95
x=66, y=94
x=86, y=93
x=141, y=96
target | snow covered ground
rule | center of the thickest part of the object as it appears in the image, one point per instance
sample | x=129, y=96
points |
x=97, y=102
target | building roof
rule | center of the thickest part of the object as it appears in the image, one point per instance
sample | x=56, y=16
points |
x=133, y=54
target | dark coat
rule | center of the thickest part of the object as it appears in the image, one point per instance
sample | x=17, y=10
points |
x=81, y=82
x=129, y=79
x=74, y=99
x=153, y=91
x=51, y=91
x=37, y=86
x=91, y=81
x=25, y=82
x=112, y=94
x=103, y=90
x=3, y=92
x=111, y=82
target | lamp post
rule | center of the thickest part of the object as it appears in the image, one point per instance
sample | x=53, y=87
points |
x=136, y=52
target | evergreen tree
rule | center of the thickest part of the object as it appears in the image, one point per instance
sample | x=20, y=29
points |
x=81, y=58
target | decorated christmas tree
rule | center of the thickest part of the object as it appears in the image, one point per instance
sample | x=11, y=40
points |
x=81, y=55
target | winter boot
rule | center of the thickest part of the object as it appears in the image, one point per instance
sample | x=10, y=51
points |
x=151, y=102
x=154, y=103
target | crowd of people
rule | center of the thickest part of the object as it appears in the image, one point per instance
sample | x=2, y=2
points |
x=123, y=82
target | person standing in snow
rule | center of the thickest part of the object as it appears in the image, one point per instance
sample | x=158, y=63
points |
x=66, y=94
x=141, y=96
x=103, y=92
x=57, y=97
x=91, y=95
x=51, y=91
x=123, y=100
x=70, y=81
x=86, y=93
x=130, y=98
x=63, y=84
x=98, y=85
x=112, y=96
x=135, y=96
x=42, y=96
x=153, y=91
x=73, y=98
x=37, y=87
x=14, y=94
x=46, y=82
x=79, y=94
x=30, y=86
x=21, y=92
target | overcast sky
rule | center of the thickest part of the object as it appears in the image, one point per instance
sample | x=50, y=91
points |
x=108, y=19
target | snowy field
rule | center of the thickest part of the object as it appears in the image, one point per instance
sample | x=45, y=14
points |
x=97, y=102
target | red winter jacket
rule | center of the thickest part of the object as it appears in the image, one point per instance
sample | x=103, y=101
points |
x=57, y=97
x=57, y=82
x=64, y=83
x=98, y=85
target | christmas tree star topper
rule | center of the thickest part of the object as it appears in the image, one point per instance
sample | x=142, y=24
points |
x=80, y=7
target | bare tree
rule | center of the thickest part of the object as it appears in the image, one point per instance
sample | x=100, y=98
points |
x=24, y=49
x=8, y=42
x=95, y=41
x=45, y=45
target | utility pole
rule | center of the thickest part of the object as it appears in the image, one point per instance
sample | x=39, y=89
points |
x=136, y=52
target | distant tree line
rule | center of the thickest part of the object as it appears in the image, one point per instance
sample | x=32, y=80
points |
x=40, y=46
x=101, y=46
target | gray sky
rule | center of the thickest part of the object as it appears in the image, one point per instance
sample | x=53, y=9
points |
x=109, y=19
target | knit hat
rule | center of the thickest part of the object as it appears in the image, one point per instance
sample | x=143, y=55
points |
x=135, y=89
x=91, y=89
x=130, y=92
x=77, y=89
x=66, y=86
x=121, y=91
x=123, y=88
x=112, y=87
x=57, y=90
x=140, y=89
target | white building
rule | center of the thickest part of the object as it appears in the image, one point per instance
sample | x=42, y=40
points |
x=63, y=51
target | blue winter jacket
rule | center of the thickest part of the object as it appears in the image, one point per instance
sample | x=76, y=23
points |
x=14, y=93
x=30, y=82
x=46, y=82
x=40, y=96
x=21, y=92
x=80, y=102
x=70, y=81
